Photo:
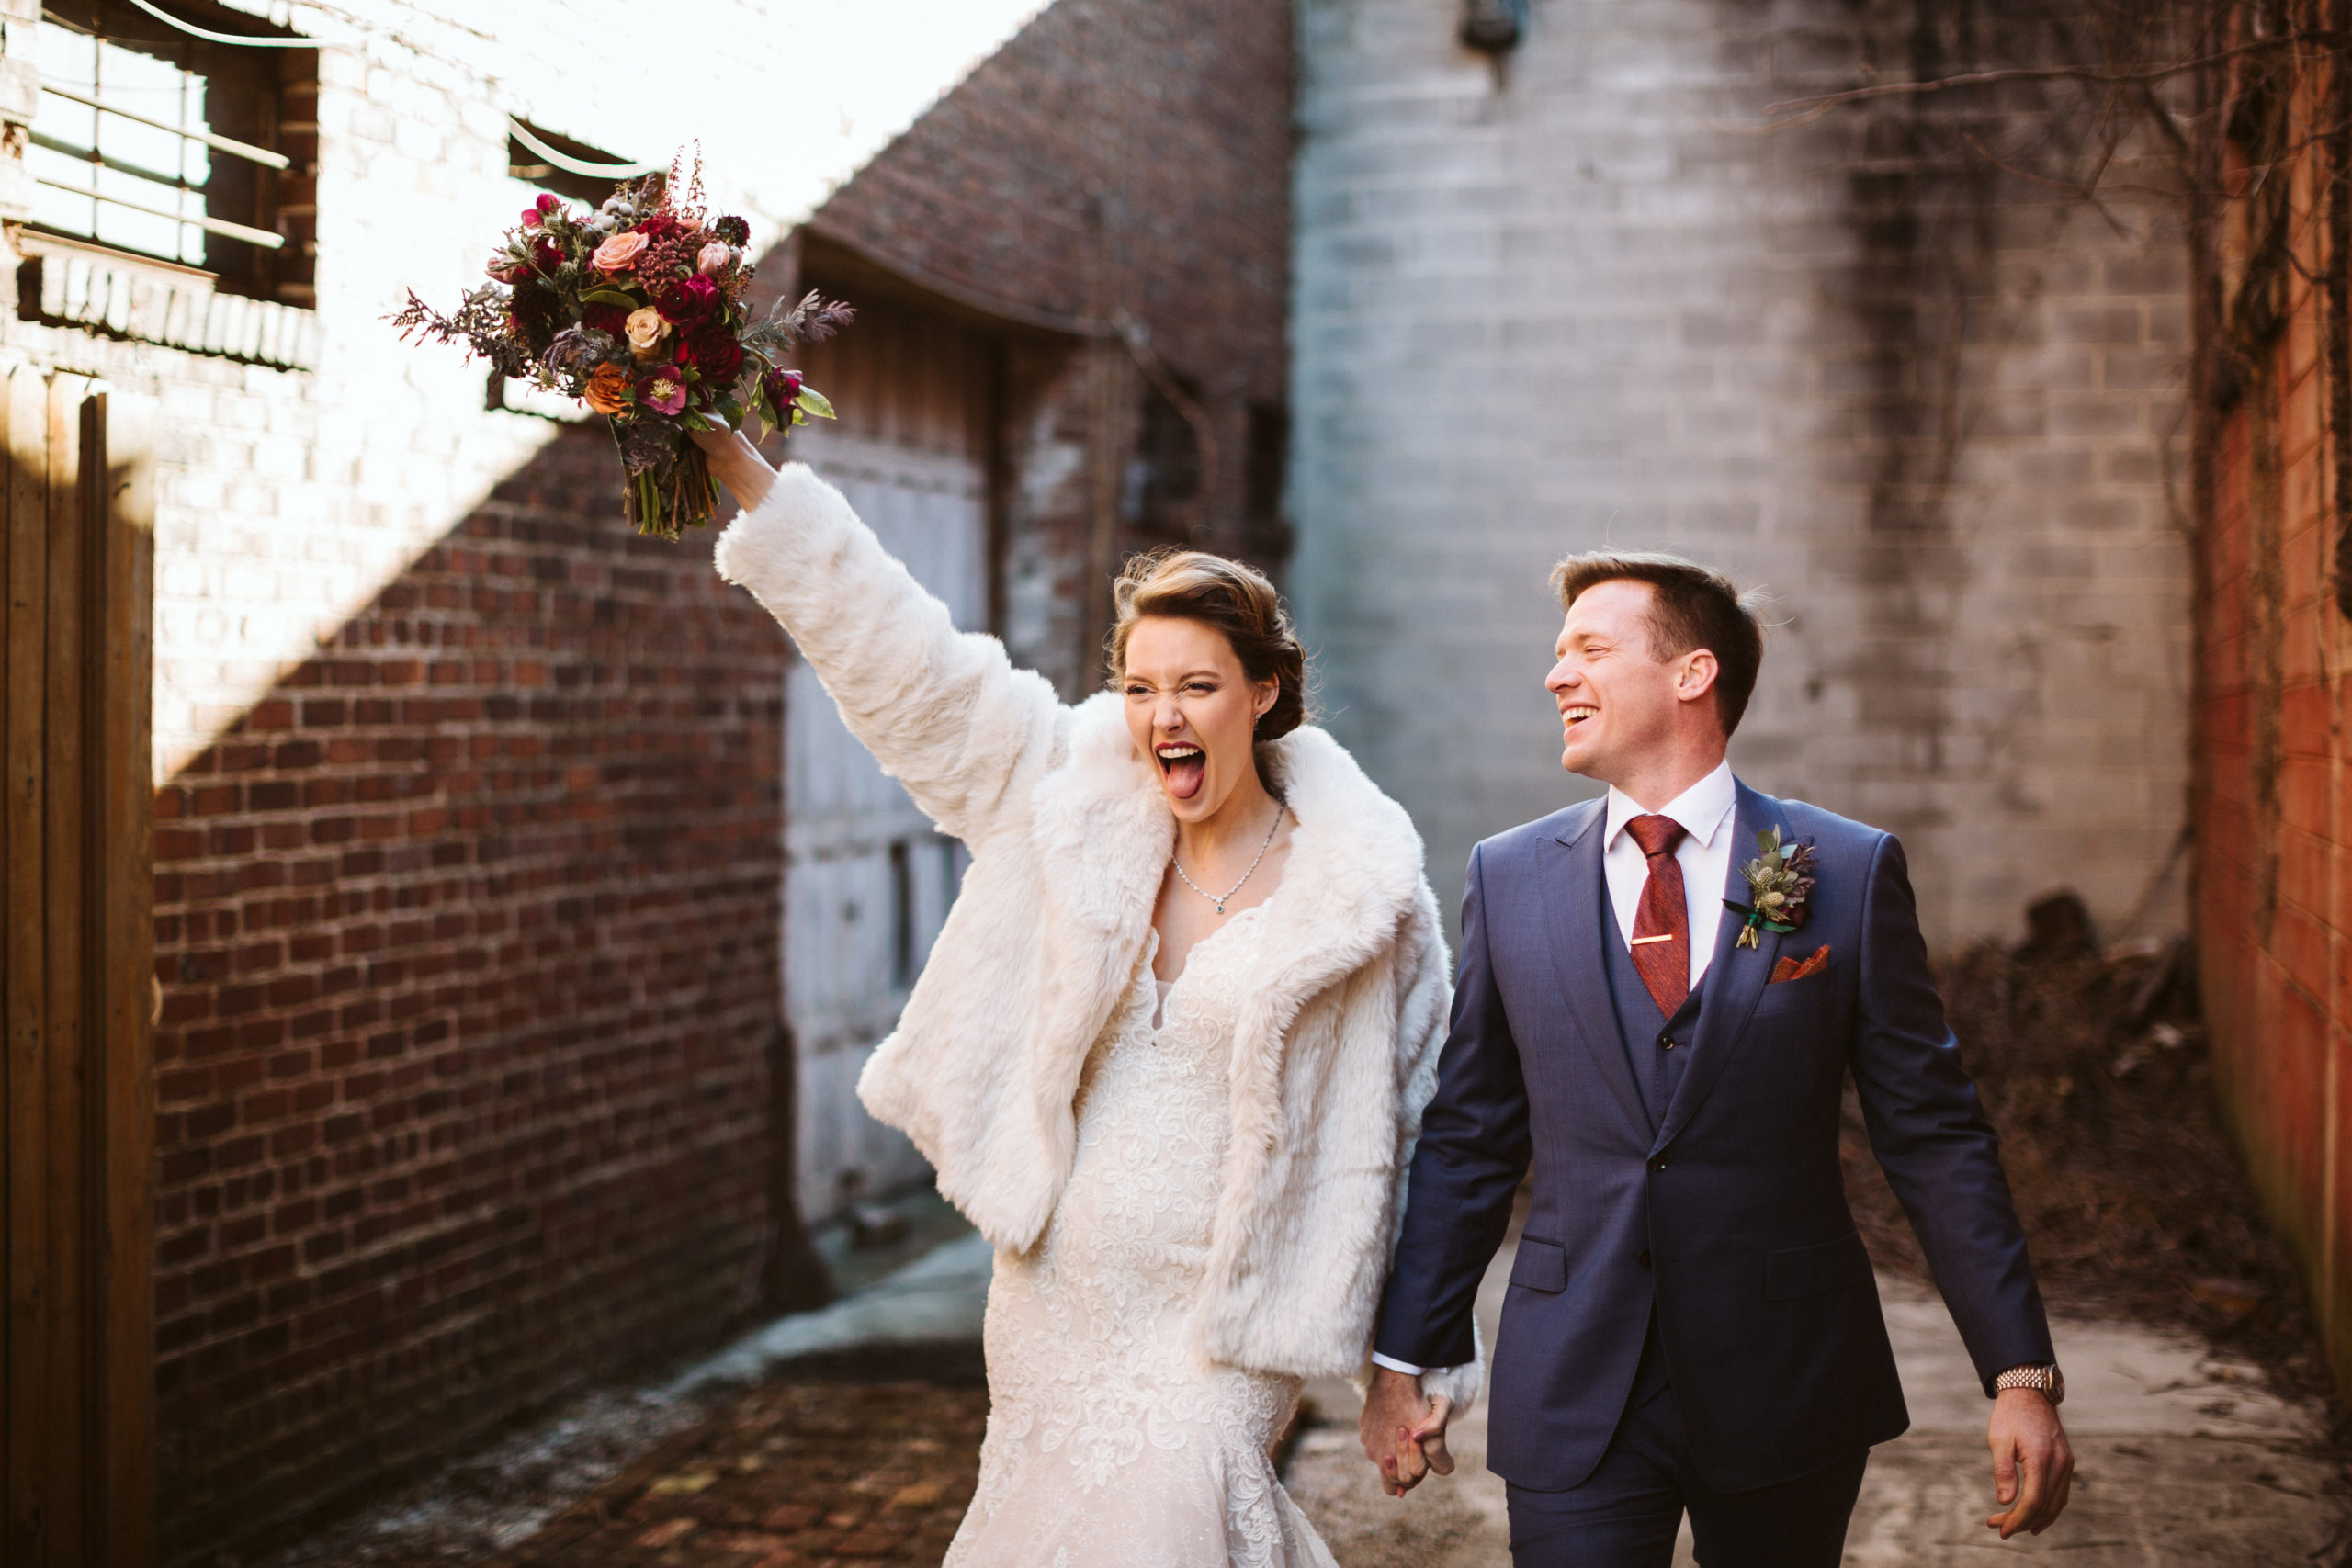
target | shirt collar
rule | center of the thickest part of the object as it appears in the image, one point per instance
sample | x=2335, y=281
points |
x=1702, y=809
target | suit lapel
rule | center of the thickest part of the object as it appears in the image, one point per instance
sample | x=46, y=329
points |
x=1573, y=899
x=1735, y=976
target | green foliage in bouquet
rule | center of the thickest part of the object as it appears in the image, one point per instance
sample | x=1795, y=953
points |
x=639, y=310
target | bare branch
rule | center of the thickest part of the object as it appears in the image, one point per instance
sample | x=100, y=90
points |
x=2048, y=74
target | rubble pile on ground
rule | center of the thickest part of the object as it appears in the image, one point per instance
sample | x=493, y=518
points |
x=2093, y=1065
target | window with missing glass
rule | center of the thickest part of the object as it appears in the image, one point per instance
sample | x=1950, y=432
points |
x=149, y=141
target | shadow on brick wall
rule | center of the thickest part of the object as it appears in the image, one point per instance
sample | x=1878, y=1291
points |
x=468, y=940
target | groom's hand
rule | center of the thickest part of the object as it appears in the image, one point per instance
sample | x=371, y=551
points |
x=1403, y=1432
x=2033, y=1467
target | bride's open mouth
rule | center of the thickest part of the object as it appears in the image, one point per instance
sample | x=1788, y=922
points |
x=1184, y=766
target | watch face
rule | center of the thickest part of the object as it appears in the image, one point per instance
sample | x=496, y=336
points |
x=2057, y=1386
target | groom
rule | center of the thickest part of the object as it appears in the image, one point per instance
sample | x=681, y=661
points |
x=1691, y=1322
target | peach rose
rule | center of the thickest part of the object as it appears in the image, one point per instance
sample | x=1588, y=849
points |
x=646, y=330
x=605, y=389
x=617, y=254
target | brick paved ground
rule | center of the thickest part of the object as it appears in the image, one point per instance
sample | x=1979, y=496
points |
x=800, y=1473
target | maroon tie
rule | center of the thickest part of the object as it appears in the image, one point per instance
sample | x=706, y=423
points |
x=1662, y=924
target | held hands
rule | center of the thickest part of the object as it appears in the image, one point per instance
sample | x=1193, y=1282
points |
x=1403, y=1432
x=737, y=464
x=2033, y=1467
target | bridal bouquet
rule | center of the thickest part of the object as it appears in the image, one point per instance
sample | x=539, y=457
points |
x=637, y=310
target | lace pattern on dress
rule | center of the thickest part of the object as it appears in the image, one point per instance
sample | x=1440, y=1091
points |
x=1112, y=1443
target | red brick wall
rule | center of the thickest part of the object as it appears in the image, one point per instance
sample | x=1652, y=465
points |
x=468, y=930
x=1118, y=154
x=1123, y=162
x=2273, y=796
x=469, y=942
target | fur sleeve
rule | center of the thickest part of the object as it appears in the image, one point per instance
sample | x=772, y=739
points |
x=943, y=711
x=1425, y=1000
x=1424, y=997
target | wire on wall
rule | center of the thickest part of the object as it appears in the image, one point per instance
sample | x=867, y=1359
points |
x=579, y=166
x=209, y=35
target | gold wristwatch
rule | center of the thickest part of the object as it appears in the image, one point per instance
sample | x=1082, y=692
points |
x=2049, y=1382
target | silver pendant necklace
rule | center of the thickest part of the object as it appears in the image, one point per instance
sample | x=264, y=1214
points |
x=1219, y=899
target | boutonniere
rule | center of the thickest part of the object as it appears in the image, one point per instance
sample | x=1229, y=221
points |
x=1781, y=880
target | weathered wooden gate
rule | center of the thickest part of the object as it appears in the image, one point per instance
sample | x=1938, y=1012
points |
x=76, y=978
x=868, y=880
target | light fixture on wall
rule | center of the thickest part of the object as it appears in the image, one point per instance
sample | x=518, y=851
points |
x=1493, y=27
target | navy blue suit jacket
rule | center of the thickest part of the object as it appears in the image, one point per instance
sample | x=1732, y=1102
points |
x=1729, y=1215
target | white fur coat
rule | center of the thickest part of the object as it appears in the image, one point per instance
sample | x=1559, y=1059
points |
x=1336, y=1050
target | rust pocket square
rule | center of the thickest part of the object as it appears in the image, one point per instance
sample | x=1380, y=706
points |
x=1794, y=968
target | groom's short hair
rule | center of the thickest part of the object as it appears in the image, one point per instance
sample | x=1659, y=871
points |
x=1695, y=609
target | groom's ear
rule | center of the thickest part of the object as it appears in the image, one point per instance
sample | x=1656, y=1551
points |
x=1695, y=678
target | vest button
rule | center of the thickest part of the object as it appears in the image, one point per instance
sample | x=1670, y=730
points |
x=1645, y=1259
x=1665, y=1042
x=1658, y=1164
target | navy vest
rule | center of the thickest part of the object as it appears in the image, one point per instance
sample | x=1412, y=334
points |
x=1642, y=1029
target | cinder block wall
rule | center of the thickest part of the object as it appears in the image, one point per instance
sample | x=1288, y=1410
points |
x=1574, y=299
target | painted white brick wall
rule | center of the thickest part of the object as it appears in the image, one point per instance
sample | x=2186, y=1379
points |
x=288, y=498
x=1576, y=302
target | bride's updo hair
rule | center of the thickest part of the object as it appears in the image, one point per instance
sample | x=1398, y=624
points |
x=1236, y=599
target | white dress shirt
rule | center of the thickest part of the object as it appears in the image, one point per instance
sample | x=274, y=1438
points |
x=1705, y=812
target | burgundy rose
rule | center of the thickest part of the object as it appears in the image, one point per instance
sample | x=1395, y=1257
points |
x=783, y=386
x=663, y=389
x=715, y=352
x=545, y=253
x=535, y=314
x=687, y=299
x=613, y=319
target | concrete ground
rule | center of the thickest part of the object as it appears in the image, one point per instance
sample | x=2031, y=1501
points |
x=2185, y=1461
x=2182, y=1461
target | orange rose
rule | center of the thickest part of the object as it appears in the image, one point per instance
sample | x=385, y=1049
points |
x=617, y=254
x=605, y=389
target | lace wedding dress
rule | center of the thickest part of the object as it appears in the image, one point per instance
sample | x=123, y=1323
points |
x=1111, y=1442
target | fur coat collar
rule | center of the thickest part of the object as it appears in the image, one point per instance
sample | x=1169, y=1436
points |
x=1101, y=835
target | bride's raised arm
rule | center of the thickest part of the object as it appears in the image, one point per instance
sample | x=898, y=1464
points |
x=945, y=712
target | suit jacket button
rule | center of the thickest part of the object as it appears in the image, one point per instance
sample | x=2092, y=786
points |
x=1645, y=1259
x=1658, y=1164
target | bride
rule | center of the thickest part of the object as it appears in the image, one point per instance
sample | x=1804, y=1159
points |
x=1171, y=1049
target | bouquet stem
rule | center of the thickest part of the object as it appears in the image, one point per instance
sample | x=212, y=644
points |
x=663, y=499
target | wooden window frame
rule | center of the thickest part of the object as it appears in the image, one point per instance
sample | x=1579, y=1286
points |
x=260, y=197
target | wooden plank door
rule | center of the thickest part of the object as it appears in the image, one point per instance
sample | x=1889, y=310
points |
x=868, y=880
x=77, y=978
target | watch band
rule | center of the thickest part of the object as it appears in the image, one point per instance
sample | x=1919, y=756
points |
x=2046, y=1381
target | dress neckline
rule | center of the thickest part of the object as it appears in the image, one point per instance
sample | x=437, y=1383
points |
x=1194, y=956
